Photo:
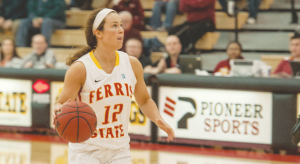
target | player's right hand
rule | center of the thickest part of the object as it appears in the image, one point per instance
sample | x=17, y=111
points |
x=165, y=127
x=57, y=108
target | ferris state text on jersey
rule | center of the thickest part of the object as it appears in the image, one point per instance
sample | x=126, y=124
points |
x=105, y=91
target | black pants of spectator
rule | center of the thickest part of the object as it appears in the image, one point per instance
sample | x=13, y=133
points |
x=253, y=7
x=190, y=32
x=152, y=45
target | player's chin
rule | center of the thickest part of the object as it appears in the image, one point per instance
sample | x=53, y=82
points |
x=120, y=42
x=119, y=46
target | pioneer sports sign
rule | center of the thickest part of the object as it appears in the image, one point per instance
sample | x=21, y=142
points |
x=220, y=115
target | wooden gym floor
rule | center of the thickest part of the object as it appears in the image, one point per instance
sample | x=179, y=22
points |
x=40, y=149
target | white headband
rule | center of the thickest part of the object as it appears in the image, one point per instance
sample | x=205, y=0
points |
x=100, y=16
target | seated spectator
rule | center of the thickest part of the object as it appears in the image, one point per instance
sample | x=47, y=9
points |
x=284, y=69
x=171, y=8
x=45, y=15
x=200, y=19
x=134, y=48
x=129, y=31
x=136, y=10
x=8, y=55
x=171, y=63
x=10, y=11
x=234, y=51
x=253, y=9
x=41, y=57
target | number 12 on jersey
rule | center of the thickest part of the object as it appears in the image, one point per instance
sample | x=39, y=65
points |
x=111, y=132
x=118, y=107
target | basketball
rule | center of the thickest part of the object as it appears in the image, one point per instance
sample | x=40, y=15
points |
x=76, y=122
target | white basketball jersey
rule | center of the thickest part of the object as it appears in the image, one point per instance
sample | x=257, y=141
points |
x=110, y=97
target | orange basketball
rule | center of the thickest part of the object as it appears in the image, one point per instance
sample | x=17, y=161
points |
x=76, y=122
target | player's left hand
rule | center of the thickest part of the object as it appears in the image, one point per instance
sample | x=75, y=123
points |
x=165, y=127
x=57, y=108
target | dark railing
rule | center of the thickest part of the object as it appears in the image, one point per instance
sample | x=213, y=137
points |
x=294, y=13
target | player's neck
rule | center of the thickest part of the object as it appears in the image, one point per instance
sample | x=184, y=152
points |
x=106, y=54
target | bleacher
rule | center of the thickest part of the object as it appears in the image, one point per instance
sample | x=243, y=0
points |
x=74, y=15
x=267, y=40
x=267, y=36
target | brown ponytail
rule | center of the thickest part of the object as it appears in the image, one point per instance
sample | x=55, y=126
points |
x=90, y=38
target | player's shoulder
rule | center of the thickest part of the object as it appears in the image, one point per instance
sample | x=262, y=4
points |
x=77, y=69
x=76, y=72
x=77, y=65
x=134, y=61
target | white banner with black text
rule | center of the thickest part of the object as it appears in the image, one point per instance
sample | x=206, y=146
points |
x=219, y=115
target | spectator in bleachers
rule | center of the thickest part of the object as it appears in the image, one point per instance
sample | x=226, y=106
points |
x=200, y=19
x=134, y=47
x=129, y=31
x=171, y=63
x=10, y=13
x=136, y=10
x=234, y=51
x=284, y=69
x=170, y=7
x=47, y=15
x=8, y=55
x=41, y=57
x=253, y=9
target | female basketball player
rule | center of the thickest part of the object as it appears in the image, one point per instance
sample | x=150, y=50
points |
x=106, y=79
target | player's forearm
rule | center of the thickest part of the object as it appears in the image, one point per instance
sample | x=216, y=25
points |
x=151, y=111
